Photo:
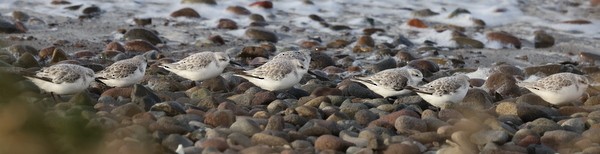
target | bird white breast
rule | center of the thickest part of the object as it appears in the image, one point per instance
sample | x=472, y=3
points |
x=440, y=101
x=272, y=85
x=562, y=96
x=208, y=72
x=132, y=79
x=62, y=88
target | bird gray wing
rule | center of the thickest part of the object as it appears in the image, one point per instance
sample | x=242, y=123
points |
x=196, y=61
x=390, y=79
x=118, y=70
x=274, y=69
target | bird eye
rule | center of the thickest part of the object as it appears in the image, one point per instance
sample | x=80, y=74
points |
x=301, y=66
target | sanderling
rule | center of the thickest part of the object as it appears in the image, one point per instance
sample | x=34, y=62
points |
x=451, y=89
x=391, y=82
x=303, y=56
x=276, y=74
x=62, y=79
x=560, y=88
x=199, y=66
x=124, y=73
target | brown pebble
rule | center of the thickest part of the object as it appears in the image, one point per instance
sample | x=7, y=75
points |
x=262, y=4
x=227, y=24
x=60, y=2
x=369, y=31
x=142, y=21
x=542, y=39
x=426, y=67
x=504, y=38
x=239, y=10
x=47, y=52
x=185, y=12
x=336, y=44
x=414, y=22
x=316, y=18
x=217, y=39
x=114, y=46
x=217, y=143
x=502, y=84
x=139, y=46
x=257, y=17
x=330, y=142
x=116, y=92
x=364, y=44
x=260, y=34
x=253, y=52
x=84, y=54
x=577, y=22
x=219, y=118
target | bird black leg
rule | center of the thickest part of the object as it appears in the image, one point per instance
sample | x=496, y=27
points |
x=53, y=97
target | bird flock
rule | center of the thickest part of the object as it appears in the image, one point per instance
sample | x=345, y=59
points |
x=286, y=69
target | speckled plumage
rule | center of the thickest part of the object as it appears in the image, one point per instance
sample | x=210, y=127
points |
x=63, y=78
x=391, y=82
x=558, y=88
x=303, y=56
x=451, y=89
x=124, y=72
x=199, y=66
x=276, y=74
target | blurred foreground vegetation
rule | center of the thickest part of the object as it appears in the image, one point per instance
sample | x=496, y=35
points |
x=31, y=124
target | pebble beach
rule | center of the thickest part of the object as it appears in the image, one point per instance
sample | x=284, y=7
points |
x=497, y=44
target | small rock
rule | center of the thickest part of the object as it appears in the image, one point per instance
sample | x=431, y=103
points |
x=216, y=84
x=336, y=44
x=424, y=13
x=185, y=12
x=427, y=137
x=542, y=125
x=490, y=136
x=266, y=139
x=174, y=140
x=542, y=39
x=576, y=125
x=417, y=23
x=239, y=10
x=478, y=99
x=260, y=34
x=26, y=61
x=263, y=98
x=262, y=4
x=465, y=42
x=592, y=134
x=218, y=118
x=502, y=84
x=9, y=28
x=227, y=24
x=558, y=139
x=404, y=123
x=330, y=142
x=143, y=34
x=142, y=21
x=402, y=148
x=245, y=126
x=217, y=143
x=139, y=45
x=210, y=2
x=169, y=125
x=426, y=67
x=275, y=123
x=577, y=22
x=144, y=97
x=127, y=110
x=364, y=44
x=20, y=16
x=171, y=108
x=504, y=38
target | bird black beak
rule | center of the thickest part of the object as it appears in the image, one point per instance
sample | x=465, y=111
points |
x=234, y=63
x=425, y=80
x=318, y=76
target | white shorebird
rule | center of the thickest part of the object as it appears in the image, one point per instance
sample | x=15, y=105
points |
x=124, y=73
x=560, y=88
x=61, y=79
x=451, y=89
x=199, y=66
x=276, y=74
x=391, y=82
